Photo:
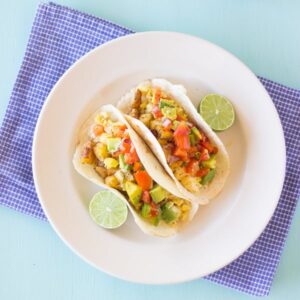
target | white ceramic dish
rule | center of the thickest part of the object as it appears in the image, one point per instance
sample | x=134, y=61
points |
x=222, y=230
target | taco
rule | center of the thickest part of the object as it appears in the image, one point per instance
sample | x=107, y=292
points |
x=110, y=154
x=191, y=153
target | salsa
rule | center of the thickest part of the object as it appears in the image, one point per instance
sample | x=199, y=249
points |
x=111, y=152
x=188, y=151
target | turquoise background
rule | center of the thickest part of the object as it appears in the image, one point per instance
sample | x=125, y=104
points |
x=34, y=263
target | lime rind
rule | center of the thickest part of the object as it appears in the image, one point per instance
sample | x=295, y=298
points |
x=108, y=210
x=217, y=112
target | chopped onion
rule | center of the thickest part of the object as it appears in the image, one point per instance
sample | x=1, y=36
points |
x=172, y=158
x=167, y=122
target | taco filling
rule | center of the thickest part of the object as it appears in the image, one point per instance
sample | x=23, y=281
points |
x=113, y=156
x=189, y=152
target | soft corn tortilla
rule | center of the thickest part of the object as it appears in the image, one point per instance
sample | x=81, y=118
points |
x=154, y=169
x=178, y=92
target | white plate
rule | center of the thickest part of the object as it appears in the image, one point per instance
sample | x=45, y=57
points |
x=222, y=230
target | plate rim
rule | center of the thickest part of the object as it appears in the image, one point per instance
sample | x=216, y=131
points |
x=43, y=111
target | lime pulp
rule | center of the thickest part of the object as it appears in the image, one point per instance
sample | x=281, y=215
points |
x=217, y=111
x=108, y=210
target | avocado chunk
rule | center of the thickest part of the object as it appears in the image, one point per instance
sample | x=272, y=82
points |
x=113, y=144
x=146, y=213
x=110, y=163
x=192, y=139
x=197, y=155
x=165, y=102
x=210, y=163
x=134, y=192
x=175, y=124
x=196, y=133
x=169, y=212
x=158, y=194
x=155, y=220
x=169, y=112
x=146, y=209
x=208, y=177
x=123, y=165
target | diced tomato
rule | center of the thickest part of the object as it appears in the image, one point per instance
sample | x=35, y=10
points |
x=181, y=153
x=137, y=166
x=131, y=157
x=182, y=141
x=128, y=159
x=98, y=129
x=119, y=134
x=202, y=172
x=123, y=127
x=126, y=134
x=204, y=155
x=134, y=154
x=208, y=146
x=192, y=151
x=143, y=180
x=154, y=210
x=156, y=112
x=146, y=197
x=182, y=129
x=156, y=97
x=120, y=130
x=125, y=146
x=192, y=167
x=181, y=136
x=215, y=150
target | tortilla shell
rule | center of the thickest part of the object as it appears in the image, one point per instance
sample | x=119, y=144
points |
x=153, y=167
x=178, y=92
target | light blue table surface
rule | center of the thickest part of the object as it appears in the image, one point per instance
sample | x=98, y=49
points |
x=34, y=263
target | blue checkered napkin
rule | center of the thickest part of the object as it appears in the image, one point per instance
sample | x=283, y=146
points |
x=59, y=37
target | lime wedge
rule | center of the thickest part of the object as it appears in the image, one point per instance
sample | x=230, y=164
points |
x=217, y=112
x=108, y=210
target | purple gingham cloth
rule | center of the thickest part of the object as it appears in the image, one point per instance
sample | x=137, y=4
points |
x=58, y=38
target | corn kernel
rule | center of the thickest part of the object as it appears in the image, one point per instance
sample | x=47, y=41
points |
x=112, y=181
x=87, y=155
x=162, y=142
x=185, y=207
x=176, y=164
x=177, y=201
x=166, y=135
x=184, y=216
x=100, y=151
